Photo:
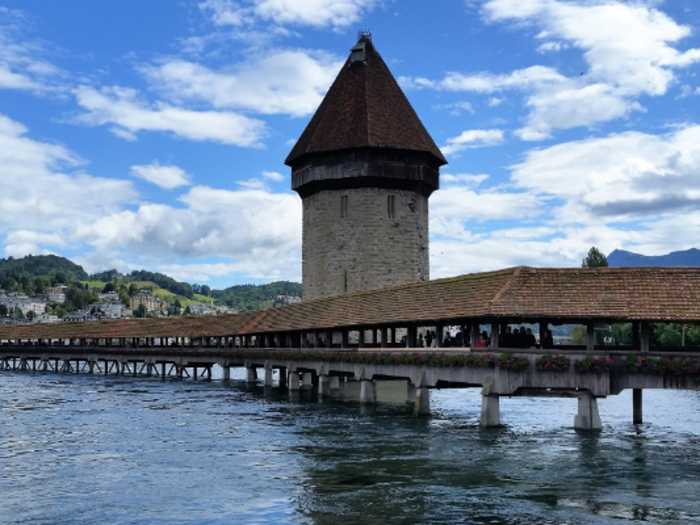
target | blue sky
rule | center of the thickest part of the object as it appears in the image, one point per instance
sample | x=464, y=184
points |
x=152, y=134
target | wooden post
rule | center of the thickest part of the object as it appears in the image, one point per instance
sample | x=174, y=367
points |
x=543, y=328
x=644, y=332
x=636, y=343
x=361, y=337
x=495, y=328
x=412, y=336
x=475, y=335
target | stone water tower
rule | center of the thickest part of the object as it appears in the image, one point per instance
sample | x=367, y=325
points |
x=364, y=168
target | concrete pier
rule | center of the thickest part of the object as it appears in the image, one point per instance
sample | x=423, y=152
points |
x=293, y=380
x=490, y=411
x=588, y=417
x=268, y=376
x=324, y=385
x=335, y=383
x=422, y=402
x=368, y=391
x=307, y=380
x=411, y=393
x=251, y=375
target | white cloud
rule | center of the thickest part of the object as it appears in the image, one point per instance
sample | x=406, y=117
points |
x=548, y=47
x=246, y=227
x=273, y=175
x=529, y=78
x=569, y=107
x=23, y=242
x=315, y=13
x=628, y=47
x=253, y=184
x=22, y=65
x=621, y=177
x=457, y=107
x=121, y=108
x=287, y=268
x=281, y=82
x=460, y=204
x=462, y=179
x=628, y=190
x=167, y=177
x=473, y=138
x=41, y=206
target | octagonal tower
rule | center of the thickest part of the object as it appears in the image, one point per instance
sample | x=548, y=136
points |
x=364, y=167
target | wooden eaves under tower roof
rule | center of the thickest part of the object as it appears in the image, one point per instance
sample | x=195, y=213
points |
x=364, y=167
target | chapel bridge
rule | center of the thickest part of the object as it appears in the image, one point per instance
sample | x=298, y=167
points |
x=355, y=338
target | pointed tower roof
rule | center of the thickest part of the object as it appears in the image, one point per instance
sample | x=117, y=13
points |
x=364, y=108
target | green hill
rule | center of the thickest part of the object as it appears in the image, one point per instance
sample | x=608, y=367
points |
x=32, y=274
x=54, y=267
x=245, y=297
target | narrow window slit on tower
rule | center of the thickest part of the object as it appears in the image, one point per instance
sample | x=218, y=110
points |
x=344, y=206
x=390, y=206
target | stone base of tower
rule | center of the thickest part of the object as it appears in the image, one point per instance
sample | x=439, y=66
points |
x=363, y=239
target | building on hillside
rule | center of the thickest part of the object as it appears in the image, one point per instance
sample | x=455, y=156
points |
x=145, y=298
x=46, y=318
x=223, y=309
x=56, y=294
x=23, y=303
x=77, y=316
x=109, y=297
x=288, y=299
x=364, y=168
x=108, y=309
x=201, y=309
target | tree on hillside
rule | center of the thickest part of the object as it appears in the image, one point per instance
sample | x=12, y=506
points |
x=594, y=259
x=3, y=310
x=140, y=311
x=109, y=287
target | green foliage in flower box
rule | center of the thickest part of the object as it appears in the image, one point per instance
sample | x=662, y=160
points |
x=661, y=365
x=375, y=358
x=597, y=365
x=513, y=363
x=552, y=363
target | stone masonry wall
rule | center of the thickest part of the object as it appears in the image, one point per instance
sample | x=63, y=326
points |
x=367, y=249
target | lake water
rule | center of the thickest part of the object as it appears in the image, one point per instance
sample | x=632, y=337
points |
x=91, y=449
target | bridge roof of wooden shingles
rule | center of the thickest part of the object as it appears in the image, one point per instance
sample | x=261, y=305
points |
x=517, y=294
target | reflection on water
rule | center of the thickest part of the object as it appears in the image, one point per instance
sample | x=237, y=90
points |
x=94, y=449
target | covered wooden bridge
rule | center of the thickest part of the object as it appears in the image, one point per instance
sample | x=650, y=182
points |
x=371, y=322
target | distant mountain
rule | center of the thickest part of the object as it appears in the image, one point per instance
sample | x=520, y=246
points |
x=689, y=257
x=51, y=266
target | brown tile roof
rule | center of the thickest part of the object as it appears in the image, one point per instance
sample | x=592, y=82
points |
x=520, y=293
x=654, y=294
x=364, y=107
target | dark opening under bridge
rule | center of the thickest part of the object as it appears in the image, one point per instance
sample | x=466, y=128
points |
x=355, y=338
